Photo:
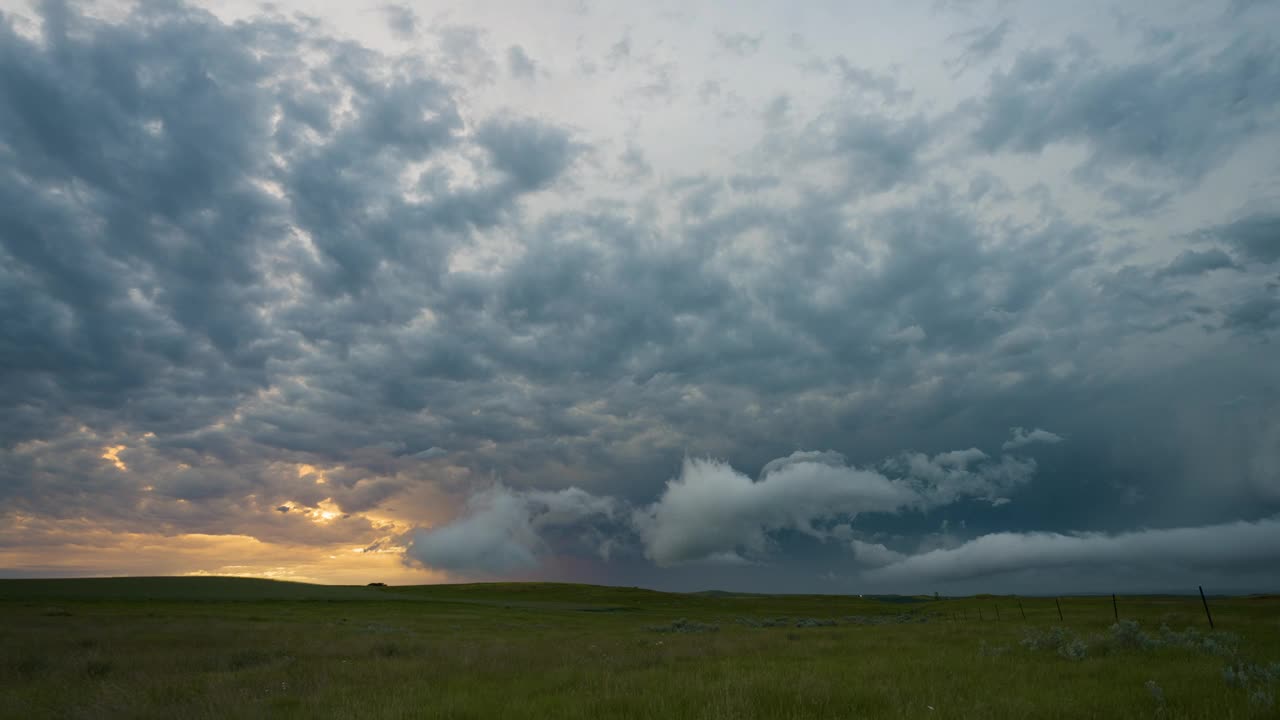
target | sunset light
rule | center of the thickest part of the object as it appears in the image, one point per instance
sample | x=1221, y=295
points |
x=660, y=359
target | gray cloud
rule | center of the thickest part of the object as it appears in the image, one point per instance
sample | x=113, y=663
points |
x=1239, y=544
x=1256, y=236
x=519, y=64
x=711, y=513
x=1192, y=262
x=871, y=82
x=1259, y=313
x=1022, y=437
x=1177, y=114
x=880, y=153
x=504, y=530
x=740, y=44
x=532, y=154
x=401, y=20
x=277, y=268
x=981, y=43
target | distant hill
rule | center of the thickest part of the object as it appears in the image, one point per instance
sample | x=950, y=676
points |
x=218, y=589
x=532, y=595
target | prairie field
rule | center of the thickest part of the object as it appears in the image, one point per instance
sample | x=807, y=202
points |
x=242, y=648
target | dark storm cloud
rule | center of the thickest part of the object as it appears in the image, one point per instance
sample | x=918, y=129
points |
x=249, y=266
x=161, y=270
x=1181, y=113
x=1192, y=262
x=1256, y=236
x=880, y=152
x=164, y=173
x=714, y=514
x=1256, y=314
x=1242, y=545
x=530, y=153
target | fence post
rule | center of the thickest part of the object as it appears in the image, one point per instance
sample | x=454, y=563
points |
x=997, y=613
x=1206, y=606
x=1115, y=609
x=1024, y=612
x=980, y=614
x=1055, y=602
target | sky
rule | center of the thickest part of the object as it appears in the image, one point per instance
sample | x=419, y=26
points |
x=842, y=297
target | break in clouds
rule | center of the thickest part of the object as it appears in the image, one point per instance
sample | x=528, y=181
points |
x=759, y=300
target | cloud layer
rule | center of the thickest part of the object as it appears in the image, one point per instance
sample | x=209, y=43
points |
x=1187, y=551
x=395, y=281
x=711, y=513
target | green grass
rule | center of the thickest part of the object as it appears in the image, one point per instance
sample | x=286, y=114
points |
x=236, y=648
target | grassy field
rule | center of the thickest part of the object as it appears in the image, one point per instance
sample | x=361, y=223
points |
x=239, y=648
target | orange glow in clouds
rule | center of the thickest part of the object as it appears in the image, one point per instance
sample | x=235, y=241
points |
x=111, y=453
x=102, y=553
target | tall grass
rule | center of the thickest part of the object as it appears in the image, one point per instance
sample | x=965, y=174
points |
x=550, y=652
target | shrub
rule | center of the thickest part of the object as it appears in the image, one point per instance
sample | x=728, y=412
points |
x=1128, y=635
x=1076, y=649
x=1052, y=639
x=684, y=625
x=1224, y=644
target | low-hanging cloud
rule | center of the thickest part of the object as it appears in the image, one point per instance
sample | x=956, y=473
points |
x=502, y=529
x=713, y=513
x=1022, y=436
x=1238, y=544
x=713, y=510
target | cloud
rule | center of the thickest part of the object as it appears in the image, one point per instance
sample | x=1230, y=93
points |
x=1180, y=114
x=1192, y=262
x=712, y=510
x=948, y=477
x=277, y=266
x=873, y=554
x=1238, y=544
x=519, y=64
x=1256, y=314
x=981, y=43
x=504, y=530
x=1256, y=236
x=711, y=513
x=1022, y=437
x=532, y=154
x=431, y=453
x=401, y=20
x=740, y=44
x=871, y=82
x=879, y=153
